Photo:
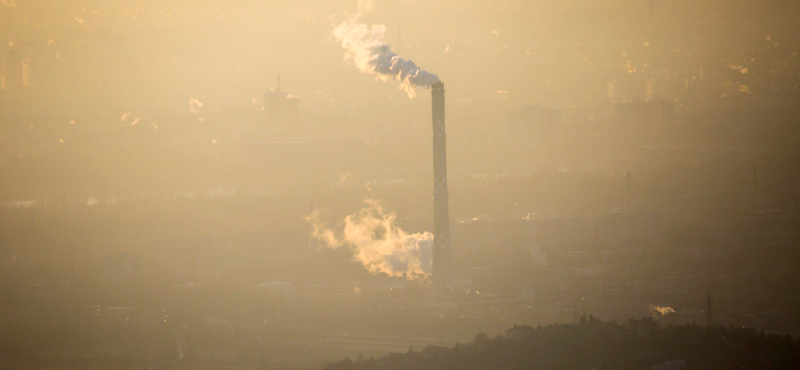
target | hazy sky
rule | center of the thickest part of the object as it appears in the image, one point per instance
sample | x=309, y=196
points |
x=154, y=55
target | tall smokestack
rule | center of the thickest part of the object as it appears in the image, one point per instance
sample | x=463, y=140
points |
x=442, y=254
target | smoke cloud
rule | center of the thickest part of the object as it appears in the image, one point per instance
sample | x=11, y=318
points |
x=366, y=47
x=661, y=310
x=377, y=243
x=366, y=6
x=195, y=105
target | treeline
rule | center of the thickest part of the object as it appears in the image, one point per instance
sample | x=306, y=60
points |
x=595, y=344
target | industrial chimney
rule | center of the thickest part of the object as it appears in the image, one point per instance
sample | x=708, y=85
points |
x=442, y=254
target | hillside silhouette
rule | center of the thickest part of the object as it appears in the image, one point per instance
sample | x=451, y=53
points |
x=596, y=344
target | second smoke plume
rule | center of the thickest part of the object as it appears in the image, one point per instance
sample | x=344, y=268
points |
x=378, y=243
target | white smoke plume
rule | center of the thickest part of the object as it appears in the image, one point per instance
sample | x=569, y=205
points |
x=366, y=6
x=377, y=243
x=366, y=47
x=662, y=310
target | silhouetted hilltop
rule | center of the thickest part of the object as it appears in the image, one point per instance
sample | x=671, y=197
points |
x=595, y=344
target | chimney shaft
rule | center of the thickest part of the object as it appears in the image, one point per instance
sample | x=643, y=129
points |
x=441, y=208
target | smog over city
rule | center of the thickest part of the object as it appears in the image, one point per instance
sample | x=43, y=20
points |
x=399, y=184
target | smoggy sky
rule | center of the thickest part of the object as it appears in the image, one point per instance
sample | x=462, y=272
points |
x=155, y=55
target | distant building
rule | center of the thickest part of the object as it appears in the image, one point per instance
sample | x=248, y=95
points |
x=280, y=104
